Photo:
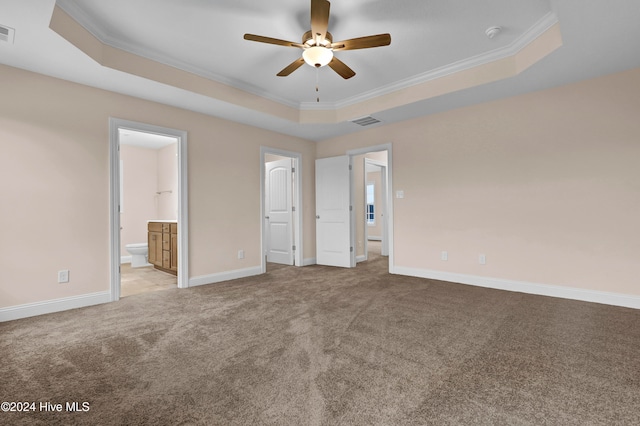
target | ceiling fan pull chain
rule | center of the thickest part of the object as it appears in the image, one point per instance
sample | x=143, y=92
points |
x=317, y=85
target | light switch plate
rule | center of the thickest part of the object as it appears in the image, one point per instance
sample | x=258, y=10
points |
x=399, y=194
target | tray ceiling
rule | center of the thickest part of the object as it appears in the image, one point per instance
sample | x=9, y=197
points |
x=219, y=73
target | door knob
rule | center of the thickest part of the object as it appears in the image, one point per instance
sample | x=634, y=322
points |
x=266, y=217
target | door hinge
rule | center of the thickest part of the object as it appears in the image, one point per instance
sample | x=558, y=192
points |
x=350, y=167
x=350, y=208
x=351, y=249
x=293, y=170
x=293, y=208
x=293, y=248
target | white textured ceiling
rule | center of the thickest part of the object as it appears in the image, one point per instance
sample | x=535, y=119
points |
x=205, y=37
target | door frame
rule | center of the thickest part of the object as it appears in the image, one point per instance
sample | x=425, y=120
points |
x=283, y=255
x=298, y=257
x=389, y=200
x=115, y=124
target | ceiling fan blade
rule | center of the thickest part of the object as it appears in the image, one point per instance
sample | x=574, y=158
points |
x=291, y=67
x=363, y=42
x=341, y=68
x=269, y=40
x=319, y=19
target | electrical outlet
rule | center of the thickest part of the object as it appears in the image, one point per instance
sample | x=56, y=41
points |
x=63, y=276
x=482, y=259
x=444, y=256
x=240, y=254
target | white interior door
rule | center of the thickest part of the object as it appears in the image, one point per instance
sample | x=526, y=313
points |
x=279, y=211
x=333, y=222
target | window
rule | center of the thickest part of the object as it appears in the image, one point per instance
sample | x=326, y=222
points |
x=370, y=209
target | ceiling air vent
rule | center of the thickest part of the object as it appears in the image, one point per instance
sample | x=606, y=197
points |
x=6, y=34
x=365, y=121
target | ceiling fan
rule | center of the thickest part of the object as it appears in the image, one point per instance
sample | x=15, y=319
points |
x=318, y=45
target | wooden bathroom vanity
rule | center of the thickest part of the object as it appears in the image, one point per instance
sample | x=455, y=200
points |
x=163, y=246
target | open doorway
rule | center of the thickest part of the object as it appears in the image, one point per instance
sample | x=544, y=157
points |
x=375, y=204
x=281, y=212
x=369, y=199
x=148, y=191
x=338, y=213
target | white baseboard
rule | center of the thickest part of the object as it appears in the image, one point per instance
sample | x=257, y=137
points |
x=224, y=276
x=606, y=298
x=361, y=258
x=49, y=306
x=370, y=238
x=309, y=261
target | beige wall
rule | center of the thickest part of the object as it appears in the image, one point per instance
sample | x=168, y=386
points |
x=272, y=157
x=167, y=158
x=544, y=184
x=56, y=191
x=140, y=183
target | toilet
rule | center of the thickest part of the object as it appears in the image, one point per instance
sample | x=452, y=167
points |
x=139, y=252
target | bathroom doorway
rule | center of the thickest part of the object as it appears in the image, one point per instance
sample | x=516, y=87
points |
x=148, y=182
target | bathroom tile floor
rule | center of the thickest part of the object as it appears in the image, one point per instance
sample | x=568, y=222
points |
x=145, y=279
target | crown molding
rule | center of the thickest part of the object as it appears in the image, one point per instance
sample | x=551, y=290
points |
x=534, y=32
x=99, y=33
x=539, y=28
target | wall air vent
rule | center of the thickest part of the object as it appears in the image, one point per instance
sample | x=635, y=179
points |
x=365, y=121
x=6, y=34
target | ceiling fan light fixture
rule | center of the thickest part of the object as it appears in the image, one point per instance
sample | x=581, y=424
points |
x=317, y=56
x=317, y=44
